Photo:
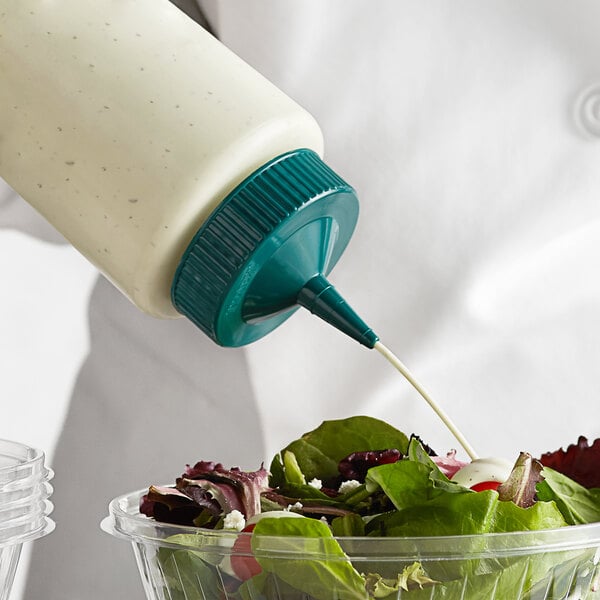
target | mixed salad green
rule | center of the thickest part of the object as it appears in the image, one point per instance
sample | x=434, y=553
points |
x=360, y=479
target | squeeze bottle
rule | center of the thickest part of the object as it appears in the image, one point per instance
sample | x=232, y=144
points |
x=189, y=180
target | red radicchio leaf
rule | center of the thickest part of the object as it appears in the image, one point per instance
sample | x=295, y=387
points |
x=201, y=468
x=356, y=465
x=580, y=462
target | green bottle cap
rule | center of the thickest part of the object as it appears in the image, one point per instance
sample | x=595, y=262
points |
x=266, y=249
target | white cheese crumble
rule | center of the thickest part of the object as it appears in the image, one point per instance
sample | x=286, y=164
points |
x=316, y=483
x=234, y=520
x=348, y=486
x=297, y=506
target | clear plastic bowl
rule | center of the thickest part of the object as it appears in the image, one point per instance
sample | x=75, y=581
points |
x=24, y=505
x=197, y=564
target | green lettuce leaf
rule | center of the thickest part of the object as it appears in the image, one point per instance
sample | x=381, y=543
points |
x=412, y=577
x=544, y=576
x=429, y=506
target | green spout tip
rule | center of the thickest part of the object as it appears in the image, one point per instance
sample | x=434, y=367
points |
x=323, y=300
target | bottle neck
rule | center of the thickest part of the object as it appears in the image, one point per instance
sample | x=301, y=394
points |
x=324, y=301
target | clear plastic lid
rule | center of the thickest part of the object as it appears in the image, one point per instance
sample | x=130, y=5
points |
x=20, y=463
x=24, y=493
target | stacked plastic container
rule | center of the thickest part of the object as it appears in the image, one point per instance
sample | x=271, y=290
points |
x=24, y=505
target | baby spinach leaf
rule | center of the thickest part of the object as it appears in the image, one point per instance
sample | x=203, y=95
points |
x=407, y=483
x=463, y=514
x=267, y=586
x=578, y=505
x=450, y=514
x=348, y=525
x=308, y=558
x=292, y=472
x=319, y=452
x=188, y=576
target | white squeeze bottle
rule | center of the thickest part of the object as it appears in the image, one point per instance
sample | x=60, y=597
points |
x=189, y=180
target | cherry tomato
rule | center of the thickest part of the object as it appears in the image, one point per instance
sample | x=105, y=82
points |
x=243, y=564
x=486, y=485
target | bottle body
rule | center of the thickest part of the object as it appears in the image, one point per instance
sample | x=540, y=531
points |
x=125, y=124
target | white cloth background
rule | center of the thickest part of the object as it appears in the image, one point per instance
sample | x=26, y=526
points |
x=476, y=254
x=475, y=259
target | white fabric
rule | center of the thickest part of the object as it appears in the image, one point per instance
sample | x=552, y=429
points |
x=475, y=259
x=476, y=253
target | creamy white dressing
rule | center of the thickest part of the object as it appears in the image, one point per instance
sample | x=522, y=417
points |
x=126, y=124
x=397, y=364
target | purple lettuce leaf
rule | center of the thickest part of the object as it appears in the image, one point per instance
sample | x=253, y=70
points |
x=169, y=505
x=309, y=507
x=204, y=493
x=236, y=489
x=520, y=487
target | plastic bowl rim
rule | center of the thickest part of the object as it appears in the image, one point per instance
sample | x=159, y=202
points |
x=561, y=539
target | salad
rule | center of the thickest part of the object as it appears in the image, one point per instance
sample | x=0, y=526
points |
x=359, y=479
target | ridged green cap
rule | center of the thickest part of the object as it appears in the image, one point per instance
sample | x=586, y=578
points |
x=287, y=223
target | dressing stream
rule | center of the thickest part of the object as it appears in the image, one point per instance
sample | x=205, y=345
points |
x=401, y=367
